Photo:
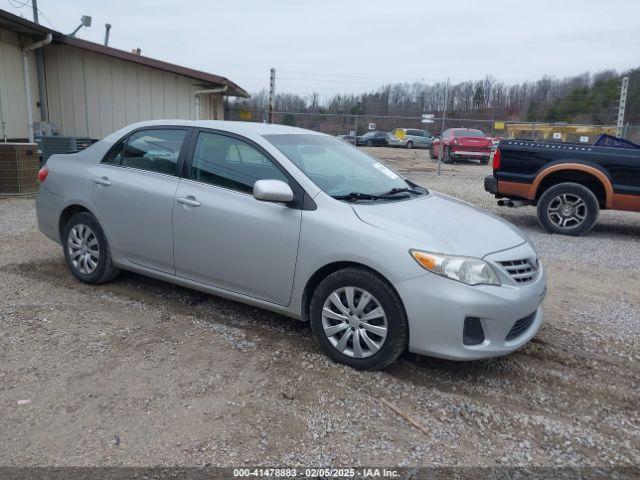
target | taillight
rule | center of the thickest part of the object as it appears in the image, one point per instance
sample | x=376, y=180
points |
x=42, y=174
x=496, y=159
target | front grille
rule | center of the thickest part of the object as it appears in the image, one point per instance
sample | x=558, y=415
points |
x=522, y=271
x=521, y=326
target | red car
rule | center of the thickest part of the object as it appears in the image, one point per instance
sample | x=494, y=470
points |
x=462, y=144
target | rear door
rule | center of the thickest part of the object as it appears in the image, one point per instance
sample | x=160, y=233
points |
x=132, y=190
x=223, y=236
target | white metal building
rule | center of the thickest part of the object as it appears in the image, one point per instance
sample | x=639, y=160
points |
x=91, y=90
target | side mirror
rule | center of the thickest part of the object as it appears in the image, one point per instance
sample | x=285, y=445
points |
x=272, y=191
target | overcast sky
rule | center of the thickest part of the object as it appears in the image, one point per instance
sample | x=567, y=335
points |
x=332, y=46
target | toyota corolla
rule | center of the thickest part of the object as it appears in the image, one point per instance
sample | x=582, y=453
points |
x=300, y=223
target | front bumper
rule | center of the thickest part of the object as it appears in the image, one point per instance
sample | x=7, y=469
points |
x=491, y=184
x=437, y=308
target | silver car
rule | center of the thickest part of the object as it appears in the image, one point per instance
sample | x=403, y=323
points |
x=299, y=223
x=410, y=138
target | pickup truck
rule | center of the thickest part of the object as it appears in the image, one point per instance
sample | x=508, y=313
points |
x=568, y=182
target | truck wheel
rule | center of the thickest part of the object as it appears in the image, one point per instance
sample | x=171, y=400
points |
x=569, y=209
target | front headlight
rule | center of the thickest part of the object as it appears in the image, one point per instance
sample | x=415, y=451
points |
x=469, y=270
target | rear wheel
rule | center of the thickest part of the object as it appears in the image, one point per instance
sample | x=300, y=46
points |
x=358, y=319
x=86, y=250
x=569, y=209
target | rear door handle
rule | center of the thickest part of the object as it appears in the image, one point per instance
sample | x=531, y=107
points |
x=190, y=200
x=104, y=181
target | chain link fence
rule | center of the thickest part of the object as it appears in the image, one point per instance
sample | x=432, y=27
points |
x=451, y=155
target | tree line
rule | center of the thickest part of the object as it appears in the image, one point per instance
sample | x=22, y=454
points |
x=586, y=98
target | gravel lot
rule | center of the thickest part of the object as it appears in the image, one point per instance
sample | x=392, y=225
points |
x=141, y=372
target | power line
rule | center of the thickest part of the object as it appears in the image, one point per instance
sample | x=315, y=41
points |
x=27, y=3
x=366, y=77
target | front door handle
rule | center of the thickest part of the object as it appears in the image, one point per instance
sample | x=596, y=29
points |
x=104, y=181
x=190, y=200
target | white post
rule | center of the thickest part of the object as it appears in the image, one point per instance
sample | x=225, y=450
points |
x=272, y=94
x=27, y=91
x=621, y=106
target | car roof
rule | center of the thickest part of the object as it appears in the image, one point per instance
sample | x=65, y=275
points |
x=241, y=128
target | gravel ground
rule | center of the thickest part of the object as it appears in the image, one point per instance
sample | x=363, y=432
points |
x=141, y=372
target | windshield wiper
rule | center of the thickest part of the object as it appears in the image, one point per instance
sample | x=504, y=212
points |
x=368, y=196
x=355, y=196
x=396, y=190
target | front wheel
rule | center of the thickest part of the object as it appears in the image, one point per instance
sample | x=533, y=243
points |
x=446, y=155
x=358, y=319
x=569, y=209
x=86, y=250
x=409, y=144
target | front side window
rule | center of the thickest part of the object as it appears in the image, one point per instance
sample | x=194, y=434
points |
x=231, y=163
x=336, y=167
x=153, y=150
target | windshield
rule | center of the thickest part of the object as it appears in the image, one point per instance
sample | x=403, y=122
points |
x=337, y=167
x=469, y=133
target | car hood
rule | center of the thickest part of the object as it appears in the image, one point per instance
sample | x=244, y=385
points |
x=442, y=224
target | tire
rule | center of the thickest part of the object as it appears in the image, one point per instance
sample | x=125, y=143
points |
x=369, y=144
x=382, y=295
x=568, y=209
x=409, y=145
x=446, y=156
x=83, y=230
x=432, y=154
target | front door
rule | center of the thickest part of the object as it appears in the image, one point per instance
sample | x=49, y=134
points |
x=133, y=191
x=223, y=236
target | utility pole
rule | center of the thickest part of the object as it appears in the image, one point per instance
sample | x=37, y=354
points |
x=621, y=106
x=34, y=5
x=42, y=88
x=444, y=116
x=272, y=94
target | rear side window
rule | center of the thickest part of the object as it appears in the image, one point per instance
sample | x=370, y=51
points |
x=231, y=163
x=153, y=150
x=114, y=156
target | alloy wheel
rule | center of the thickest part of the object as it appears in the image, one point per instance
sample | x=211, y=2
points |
x=567, y=211
x=83, y=249
x=354, y=322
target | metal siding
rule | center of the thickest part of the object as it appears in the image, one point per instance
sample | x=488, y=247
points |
x=118, y=93
x=12, y=93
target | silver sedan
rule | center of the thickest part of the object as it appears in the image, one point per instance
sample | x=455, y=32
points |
x=299, y=223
